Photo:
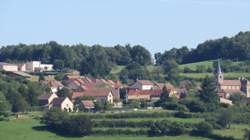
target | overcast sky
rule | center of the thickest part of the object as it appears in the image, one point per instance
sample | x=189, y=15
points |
x=156, y=24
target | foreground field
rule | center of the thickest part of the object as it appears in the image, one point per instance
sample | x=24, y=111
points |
x=30, y=129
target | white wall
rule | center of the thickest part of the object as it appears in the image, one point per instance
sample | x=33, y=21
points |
x=9, y=67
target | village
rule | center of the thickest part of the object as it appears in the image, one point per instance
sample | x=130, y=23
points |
x=84, y=93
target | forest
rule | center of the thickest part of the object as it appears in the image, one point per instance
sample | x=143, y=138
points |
x=98, y=61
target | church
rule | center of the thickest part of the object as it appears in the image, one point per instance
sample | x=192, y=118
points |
x=226, y=88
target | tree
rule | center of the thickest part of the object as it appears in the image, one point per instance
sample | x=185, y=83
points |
x=225, y=119
x=4, y=104
x=202, y=129
x=65, y=92
x=171, y=69
x=54, y=118
x=20, y=105
x=247, y=134
x=140, y=55
x=238, y=98
x=208, y=94
x=164, y=95
x=79, y=125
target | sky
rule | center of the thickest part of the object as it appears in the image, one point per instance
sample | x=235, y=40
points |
x=158, y=25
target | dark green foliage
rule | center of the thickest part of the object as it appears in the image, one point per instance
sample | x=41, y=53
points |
x=54, y=118
x=20, y=105
x=235, y=48
x=208, y=94
x=247, y=134
x=4, y=104
x=64, y=124
x=96, y=60
x=166, y=128
x=225, y=119
x=78, y=125
x=194, y=105
x=64, y=92
x=238, y=99
x=171, y=69
x=133, y=71
x=117, y=131
x=202, y=129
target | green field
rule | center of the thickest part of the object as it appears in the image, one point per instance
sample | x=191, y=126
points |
x=236, y=131
x=25, y=129
x=193, y=66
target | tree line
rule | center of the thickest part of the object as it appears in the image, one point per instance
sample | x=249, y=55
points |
x=234, y=48
x=94, y=60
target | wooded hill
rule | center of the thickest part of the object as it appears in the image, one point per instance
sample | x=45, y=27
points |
x=98, y=60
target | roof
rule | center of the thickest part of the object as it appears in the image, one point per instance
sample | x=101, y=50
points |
x=45, y=96
x=230, y=83
x=145, y=92
x=55, y=83
x=145, y=82
x=3, y=63
x=58, y=101
x=88, y=104
x=93, y=93
x=231, y=91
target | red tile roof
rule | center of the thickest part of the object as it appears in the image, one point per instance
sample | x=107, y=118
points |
x=94, y=93
x=145, y=92
x=88, y=104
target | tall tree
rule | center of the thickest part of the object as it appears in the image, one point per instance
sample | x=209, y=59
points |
x=208, y=93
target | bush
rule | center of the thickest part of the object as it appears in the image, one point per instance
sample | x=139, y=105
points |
x=166, y=128
x=78, y=125
x=64, y=124
x=202, y=129
x=181, y=114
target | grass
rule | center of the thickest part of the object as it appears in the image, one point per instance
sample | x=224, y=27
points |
x=236, y=131
x=193, y=66
x=117, y=69
x=23, y=129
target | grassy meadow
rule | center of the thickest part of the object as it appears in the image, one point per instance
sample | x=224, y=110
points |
x=28, y=127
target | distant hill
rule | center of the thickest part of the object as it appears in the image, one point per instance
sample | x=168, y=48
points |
x=234, y=48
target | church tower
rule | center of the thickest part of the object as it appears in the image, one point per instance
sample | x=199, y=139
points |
x=218, y=74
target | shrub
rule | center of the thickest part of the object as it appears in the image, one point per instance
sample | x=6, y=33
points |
x=78, y=125
x=64, y=124
x=202, y=129
x=166, y=128
x=181, y=114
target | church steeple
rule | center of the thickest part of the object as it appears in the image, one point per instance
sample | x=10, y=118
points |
x=219, y=74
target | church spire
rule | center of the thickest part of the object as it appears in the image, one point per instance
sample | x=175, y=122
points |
x=219, y=68
x=219, y=74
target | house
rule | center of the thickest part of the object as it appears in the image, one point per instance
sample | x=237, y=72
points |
x=230, y=87
x=54, y=85
x=63, y=103
x=22, y=67
x=135, y=94
x=101, y=95
x=8, y=67
x=88, y=104
x=46, y=99
x=142, y=85
x=35, y=66
x=171, y=89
